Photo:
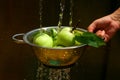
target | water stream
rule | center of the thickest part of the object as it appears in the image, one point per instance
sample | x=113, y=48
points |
x=71, y=13
x=62, y=7
x=47, y=73
x=40, y=11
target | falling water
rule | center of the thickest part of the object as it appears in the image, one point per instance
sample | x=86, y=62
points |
x=40, y=12
x=42, y=72
x=62, y=6
x=47, y=73
x=71, y=13
x=59, y=74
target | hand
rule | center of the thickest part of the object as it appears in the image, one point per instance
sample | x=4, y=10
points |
x=105, y=27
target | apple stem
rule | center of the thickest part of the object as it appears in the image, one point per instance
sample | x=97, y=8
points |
x=75, y=26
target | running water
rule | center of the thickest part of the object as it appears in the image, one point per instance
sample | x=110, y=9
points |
x=71, y=13
x=48, y=73
x=62, y=6
x=40, y=12
x=59, y=74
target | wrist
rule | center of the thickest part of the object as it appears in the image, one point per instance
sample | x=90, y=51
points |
x=116, y=16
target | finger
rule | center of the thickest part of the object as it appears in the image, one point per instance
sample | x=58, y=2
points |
x=106, y=38
x=92, y=27
x=101, y=33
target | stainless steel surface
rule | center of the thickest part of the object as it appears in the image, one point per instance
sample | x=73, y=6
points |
x=53, y=56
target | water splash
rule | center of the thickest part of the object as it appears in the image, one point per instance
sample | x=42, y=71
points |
x=47, y=73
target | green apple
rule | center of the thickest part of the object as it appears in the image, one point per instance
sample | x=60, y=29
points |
x=43, y=40
x=65, y=37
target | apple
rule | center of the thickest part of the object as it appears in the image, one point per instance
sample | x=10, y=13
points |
x=65, y=37
x=43, y=40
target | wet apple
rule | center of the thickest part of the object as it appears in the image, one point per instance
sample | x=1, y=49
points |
x=43, y=40
x=65, y=37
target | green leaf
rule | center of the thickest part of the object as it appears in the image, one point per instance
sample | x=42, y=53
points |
x=52, y=32
x=90, y=39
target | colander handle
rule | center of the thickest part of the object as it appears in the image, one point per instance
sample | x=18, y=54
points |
x=17, y=37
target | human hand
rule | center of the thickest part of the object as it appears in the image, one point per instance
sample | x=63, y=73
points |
x=105, y=27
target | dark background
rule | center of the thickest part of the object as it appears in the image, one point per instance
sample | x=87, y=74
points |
x=17, y=61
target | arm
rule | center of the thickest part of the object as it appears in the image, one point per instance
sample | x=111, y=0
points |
x=116, y=16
